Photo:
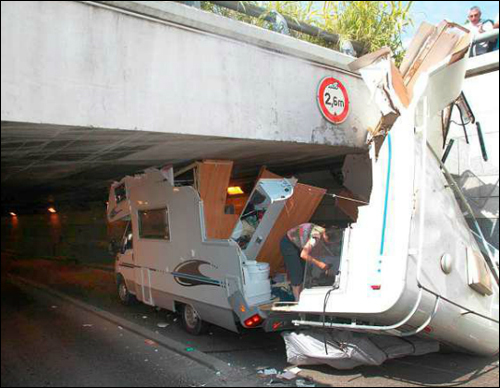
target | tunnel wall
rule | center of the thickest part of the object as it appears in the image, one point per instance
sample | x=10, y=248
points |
x=82, y=236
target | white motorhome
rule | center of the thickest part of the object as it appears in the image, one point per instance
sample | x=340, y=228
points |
x=178, y=252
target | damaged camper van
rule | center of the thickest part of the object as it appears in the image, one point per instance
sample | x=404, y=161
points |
x=195, y=250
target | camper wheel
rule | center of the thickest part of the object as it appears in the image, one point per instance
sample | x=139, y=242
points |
x=192, y=321
x=125, y=296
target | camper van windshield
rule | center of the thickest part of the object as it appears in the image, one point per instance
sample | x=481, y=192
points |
x=329, y=253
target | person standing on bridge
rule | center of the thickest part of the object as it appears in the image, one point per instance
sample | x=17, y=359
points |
x=296, y=248
x=477, y=26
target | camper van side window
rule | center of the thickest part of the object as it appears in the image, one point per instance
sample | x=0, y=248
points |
x=154, y=225
x=120, y=193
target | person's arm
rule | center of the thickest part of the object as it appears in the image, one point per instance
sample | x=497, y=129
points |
x=306, y=255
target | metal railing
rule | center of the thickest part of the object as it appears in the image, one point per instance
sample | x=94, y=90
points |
x=293, y=24
x=489, y=37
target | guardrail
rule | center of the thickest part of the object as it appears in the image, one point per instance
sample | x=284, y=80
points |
x=488, y=37
x=304, y=28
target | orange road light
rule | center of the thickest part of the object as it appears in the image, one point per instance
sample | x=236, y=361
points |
x=13, y=214
x=52, y=210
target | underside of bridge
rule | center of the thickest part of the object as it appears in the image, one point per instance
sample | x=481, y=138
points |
x=94, y=91
x=44, y=164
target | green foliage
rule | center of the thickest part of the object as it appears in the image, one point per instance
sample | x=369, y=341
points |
x=374, y=24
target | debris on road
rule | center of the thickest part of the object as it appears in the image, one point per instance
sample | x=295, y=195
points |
x=287, y=375
x=163, y=325
x=294, y=370
x=304, y=384
x=347, y=350
x=150, y=343
x=276, y=383
x=268, y=372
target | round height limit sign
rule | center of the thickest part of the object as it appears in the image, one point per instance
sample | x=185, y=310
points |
x=333, y=100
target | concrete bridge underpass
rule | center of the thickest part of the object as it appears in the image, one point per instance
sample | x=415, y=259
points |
x=93, y=91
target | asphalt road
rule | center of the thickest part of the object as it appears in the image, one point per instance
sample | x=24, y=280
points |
x=47, y=342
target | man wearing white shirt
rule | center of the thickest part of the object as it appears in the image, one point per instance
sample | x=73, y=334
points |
x=478, y=26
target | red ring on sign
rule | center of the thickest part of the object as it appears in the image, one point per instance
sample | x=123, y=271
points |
x=336, y=119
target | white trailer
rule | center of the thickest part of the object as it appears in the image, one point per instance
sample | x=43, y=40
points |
x=411, y=264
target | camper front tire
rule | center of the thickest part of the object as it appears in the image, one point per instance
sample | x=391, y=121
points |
x=192, y=322
x=125, y=296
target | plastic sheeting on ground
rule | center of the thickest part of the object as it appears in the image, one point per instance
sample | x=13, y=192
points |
x=348, y=350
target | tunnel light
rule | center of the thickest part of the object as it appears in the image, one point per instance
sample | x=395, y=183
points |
x=52, y=210
x=235, y=191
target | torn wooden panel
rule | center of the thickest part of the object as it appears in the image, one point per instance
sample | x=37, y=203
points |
x=385, y=84
x=399, y=86
x=213, y=177
x=370, y=59
x=236, y=205
x=371, y=62
x=393, y=89
x=298, y=210
x=226, y=226
x=462, y=48
x=266, y=174
x=439, y=46
x=423, y=34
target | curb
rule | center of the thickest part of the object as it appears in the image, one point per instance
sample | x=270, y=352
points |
x=65, y=260
x=204, y=359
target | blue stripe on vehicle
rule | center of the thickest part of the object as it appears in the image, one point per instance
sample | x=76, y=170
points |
x=387, y=190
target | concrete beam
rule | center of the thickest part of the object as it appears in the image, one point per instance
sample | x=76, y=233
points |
x=169, y=69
